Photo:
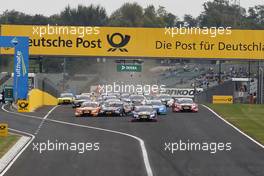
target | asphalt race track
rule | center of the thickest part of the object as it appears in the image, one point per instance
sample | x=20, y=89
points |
x=121, y=155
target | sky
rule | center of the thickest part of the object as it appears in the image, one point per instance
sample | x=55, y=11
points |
x=50, y=7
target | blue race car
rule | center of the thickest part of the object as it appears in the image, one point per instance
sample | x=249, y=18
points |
x=157, y=105
x=144, y=113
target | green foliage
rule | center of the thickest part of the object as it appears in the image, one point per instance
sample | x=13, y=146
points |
x=6, y=143
x=128, y=15
x=82, y=15
x=255, y=19
x=247, y=117
x=216, y=13
x=221, y=13
x=190, y=20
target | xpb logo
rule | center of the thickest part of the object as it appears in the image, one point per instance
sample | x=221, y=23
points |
x=124, y=39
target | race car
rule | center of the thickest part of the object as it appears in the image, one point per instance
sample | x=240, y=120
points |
x=86, y=94
x=165, y=99
x=114, y=94
x=128, y=107
x=112, y=99
x=144, y=113
x=79, y=100
x=113, y=108
x=137, y=99
x=108, y=97
x=125, y=97
x=99, y=99
x=157, y=104
x=66, y=98
x=88, y=108
x=149, y=97
x=184, y=104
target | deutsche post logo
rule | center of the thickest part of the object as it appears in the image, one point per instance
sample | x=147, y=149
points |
x=3, y=129
x=23, y=106
x=222, y=99
x=230, y=99
x=124, y=39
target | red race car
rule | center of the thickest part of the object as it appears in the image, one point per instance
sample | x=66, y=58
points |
x=184, y=105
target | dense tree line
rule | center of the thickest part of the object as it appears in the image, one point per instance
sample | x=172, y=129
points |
x=215, y=13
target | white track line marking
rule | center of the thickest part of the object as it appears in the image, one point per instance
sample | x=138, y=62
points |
x=35, y=117
x=237, y=129
x=21, y=151
x=50, y=111
x=43, y=120
x=141, y=142
x=10, y=112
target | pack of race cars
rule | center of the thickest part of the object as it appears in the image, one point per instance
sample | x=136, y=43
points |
x=137, y=106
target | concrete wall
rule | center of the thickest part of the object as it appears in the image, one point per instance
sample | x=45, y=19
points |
x=38, y=98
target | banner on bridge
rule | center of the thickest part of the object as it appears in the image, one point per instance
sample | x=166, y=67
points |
x=138, y=42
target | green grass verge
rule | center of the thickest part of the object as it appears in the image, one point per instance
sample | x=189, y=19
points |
x=7, y=142
x=248, y=118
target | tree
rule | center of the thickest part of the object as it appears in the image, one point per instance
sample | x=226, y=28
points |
x=150, y=17
x=220, y=13
x=255, y=19
x=216, y=13
x=190, y=20
x=128, y=15
x=82, y=15
x=168, y=19
x=15, y=17
x=39, y=20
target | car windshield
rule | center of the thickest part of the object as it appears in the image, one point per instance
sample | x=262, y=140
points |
x=140, y=109
x=137, y=97
x=110, y=97
x=156, y=103
x=80, y=97
x=188, y=101
x=164, y=96
x=89, y=104
x=66, y=95
x=125, y=96
x=113, y=104
x=149, y=97
x=116, y=104
x=113, y=100
x=113, y=94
